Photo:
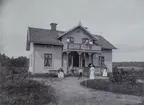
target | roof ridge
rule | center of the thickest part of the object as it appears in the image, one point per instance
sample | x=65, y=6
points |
x=44, y=29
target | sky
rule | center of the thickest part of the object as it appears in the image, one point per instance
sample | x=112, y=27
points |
x=120, y=21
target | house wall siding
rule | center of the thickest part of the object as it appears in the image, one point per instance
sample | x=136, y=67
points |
x=108, y=59
x=31, y=58
x=78, y=34
x=65, y=63
x=95, y=59
x=56, y=52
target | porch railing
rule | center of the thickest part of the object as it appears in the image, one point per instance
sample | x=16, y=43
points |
x=77, y=46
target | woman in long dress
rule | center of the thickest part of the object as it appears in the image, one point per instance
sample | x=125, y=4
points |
x=104, y=73
x=60, y=73
x=92, y=71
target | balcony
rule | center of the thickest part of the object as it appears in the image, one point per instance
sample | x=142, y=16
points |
x=81, y=47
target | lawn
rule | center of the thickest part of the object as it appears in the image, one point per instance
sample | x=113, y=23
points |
x=106, y=85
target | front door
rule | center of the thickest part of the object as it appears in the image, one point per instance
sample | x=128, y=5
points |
x=83, y=63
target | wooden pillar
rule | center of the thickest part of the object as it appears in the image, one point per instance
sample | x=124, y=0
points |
x=100, y=63
x=67, y=60
x=85, y=59
x=90, y=59
x=72, y=60
x=62, y=59
x=79, y=58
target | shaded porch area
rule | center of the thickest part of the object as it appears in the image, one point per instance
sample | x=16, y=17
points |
x=76, y=59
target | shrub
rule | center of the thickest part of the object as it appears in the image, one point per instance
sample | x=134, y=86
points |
x=111, y=78
x=29, y=92
x=12, y=76
x=104, y=85
x=21, y=91
x=86, y=72
x=71, y=74
x=129, y=77
x=123, y=76
x=45, y=75
x=116, y=75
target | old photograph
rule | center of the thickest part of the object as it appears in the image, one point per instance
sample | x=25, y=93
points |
x=71, y=52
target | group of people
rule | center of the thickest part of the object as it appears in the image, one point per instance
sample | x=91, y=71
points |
x=92, y=72
x=80, y=72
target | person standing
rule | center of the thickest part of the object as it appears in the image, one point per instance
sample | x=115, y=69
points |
x=92, y=71
x=104, y=73
x=80, y=73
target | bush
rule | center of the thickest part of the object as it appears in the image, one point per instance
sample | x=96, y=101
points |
x=111, y=78
x=86, y=72
x=45, y=75
x=21, y=91
x=12, y=76
x=123, y=76
x=71, y=75
x=29, y=92
x=105, y=85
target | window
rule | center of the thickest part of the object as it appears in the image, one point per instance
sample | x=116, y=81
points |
x=48, y=60
x=71, y=39
x=94, y=42
x=85, y=40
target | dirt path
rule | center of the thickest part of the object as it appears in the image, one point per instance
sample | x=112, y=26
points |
x=70, y=92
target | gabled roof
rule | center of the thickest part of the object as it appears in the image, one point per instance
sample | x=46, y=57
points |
x=104, y=43
x=46, y=36
x=78, y=26
x=100, y=40
x=43, y=36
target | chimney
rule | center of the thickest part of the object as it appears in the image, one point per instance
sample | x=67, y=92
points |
x=53, y=26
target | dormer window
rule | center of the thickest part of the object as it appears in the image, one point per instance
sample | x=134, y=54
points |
x=70, y=39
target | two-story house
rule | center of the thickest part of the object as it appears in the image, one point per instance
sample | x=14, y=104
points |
x=50, y=49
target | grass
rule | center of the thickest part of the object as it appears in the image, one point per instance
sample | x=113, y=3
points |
x=28, y=92
x=106, y=85
x=17, y=89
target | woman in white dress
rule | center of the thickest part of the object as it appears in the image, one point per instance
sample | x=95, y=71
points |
x=92, y=71
x=104, y=73
x=60, y=73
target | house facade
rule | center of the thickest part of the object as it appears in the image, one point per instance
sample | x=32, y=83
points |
x=50, y=49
